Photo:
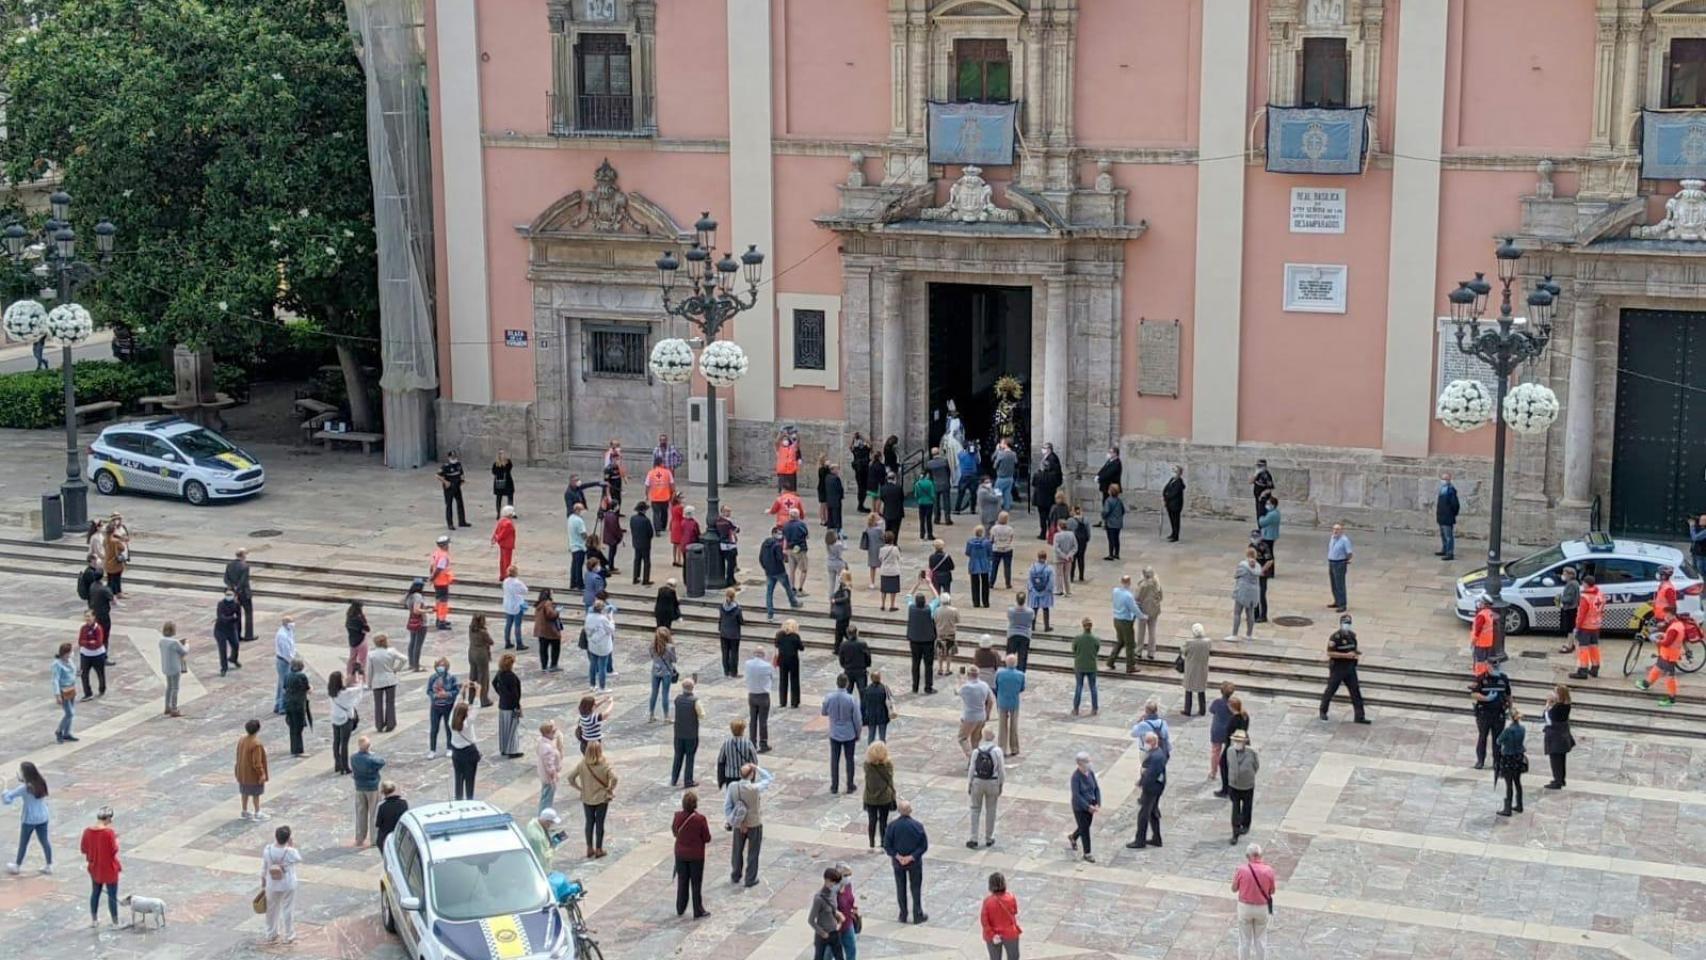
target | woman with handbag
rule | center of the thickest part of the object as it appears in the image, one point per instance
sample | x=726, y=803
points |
x=847, y=903
x=1000, y=920
x=278, y=887
x=415, y=603
x=663, y=672
x=65, y=692
x=547, y=631
x=1511, y=761
x=508, y=687
x=596, y=782
x=1556, y=733
x=692, y=835
x=117, y=546
x=879, y=795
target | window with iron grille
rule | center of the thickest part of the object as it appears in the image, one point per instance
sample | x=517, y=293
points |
x=1326, y=72
x=1685, y=73
x=615, y=352
x=809, y=334
x=983, y=73
x=603, y=82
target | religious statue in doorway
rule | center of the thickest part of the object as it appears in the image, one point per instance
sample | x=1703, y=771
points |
x=955, y=428
x=1009, y=396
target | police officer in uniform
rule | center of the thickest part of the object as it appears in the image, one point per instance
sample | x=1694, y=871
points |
x=1342, y=659
x=1491, y=695
x=450, y=477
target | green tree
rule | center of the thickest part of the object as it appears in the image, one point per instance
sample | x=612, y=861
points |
x=227, y=139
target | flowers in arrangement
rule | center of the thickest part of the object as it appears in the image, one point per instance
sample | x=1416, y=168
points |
x=1008, y=387
x=25, y=320
x=723, y=362
x=672, y=360
x=70, y=323
x=1530, y=408
x=1464, y=405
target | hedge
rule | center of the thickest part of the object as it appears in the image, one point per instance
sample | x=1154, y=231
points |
x=36, y=400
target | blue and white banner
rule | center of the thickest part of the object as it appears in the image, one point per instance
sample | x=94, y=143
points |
x=1673, y=144
x=1317, y=139
x=972, y=133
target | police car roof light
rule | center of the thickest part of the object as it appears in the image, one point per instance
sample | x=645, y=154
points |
x=163, y=422
x=495, y=821
x=1599, y=541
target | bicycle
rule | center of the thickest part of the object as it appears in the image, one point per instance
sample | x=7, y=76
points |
x=1647, y=631
x=569, y=896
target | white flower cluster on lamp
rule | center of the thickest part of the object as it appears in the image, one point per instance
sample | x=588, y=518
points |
x=672, y=360
x=1530, y=408
x=1464, y=405
x=25, y=320
x=723, y=362
x=70, y=323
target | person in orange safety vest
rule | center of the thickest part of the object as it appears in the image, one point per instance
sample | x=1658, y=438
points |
x=787, y=464
x=1670, y=653
x=1590, y=613
x=1481, y=636
x=438, y=571
x=1664, y=602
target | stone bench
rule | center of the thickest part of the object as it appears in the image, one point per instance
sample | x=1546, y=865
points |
x=102, y=409
x=312, y=407
x=155, y=404
x=367, y=440
x=315, y=423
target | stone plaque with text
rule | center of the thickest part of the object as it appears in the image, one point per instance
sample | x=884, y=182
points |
x=1454, y=364
x=1158, y=358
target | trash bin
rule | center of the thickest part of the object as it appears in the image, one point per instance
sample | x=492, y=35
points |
x=52, y=517
x=693, y=570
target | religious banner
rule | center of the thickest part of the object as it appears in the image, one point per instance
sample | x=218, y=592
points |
x=972, y=133
x=1673, y=144
x=1317, y=139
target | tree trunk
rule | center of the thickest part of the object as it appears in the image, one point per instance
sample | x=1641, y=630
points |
x=355, y=386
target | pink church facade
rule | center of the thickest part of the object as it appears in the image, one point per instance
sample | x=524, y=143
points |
x=1198, y=249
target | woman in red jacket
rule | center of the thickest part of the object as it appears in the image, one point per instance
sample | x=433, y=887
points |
x=100, y=849
x=692, y=834
x=1000, y=917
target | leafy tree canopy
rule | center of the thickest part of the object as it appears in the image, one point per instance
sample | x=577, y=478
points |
x=225, y=138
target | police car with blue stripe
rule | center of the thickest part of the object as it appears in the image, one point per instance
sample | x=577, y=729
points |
x=173, y=457
x=1626, y=571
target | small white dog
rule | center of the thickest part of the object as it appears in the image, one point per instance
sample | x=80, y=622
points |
x=141, y=908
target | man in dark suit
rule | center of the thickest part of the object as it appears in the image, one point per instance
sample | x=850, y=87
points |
x=1173, y=498
x=835, y=494
x=237, y=580
x=640, y=535
x=1446, y=506
x=905, y=843
x=1112, y=472
x=1150, y=786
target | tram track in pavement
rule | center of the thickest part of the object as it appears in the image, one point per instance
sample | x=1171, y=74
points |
x=1609, y=708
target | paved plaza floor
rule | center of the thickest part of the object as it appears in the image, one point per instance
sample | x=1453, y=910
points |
x=1385, y=840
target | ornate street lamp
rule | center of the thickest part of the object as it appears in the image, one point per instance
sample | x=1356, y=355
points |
x=53, y=259
x=1529, y=408
x=709, y=302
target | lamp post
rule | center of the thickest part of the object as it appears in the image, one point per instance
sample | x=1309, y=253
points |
x=1504, y=345
x=55, y=248
x=709, y=302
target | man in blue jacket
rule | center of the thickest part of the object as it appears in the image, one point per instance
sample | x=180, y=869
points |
x=905, y=843
x=842, y=709
x=965, y=492
x=1446, y=506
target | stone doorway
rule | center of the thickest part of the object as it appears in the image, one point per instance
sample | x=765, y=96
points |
x=978, y=334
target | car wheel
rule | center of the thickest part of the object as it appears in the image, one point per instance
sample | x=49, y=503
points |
x=195, y=493
x=106, y=483
x=385, y=915
x=1515, y=621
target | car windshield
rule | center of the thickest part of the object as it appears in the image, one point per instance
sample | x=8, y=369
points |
x=199, y=443
x=488, y=885
x=1534, y=563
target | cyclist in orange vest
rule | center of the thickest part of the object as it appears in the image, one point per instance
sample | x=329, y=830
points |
x=1481, y=636
x=1590, y=613
x=438, y=571
x=1664, y=602
x=1670, y=652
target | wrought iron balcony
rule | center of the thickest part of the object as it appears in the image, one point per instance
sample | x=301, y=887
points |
x=619, y=115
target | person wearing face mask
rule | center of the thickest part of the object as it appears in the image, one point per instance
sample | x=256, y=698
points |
x=1446, y=507
x=226, y=621
x=1241, y=766
x=1045, y=483
x=450, y=477
x=1342, y=659
x=1112, y=473
x=442, y=690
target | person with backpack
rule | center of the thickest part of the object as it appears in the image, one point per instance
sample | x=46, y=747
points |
x=986, y=773
x=278, y=880
x=1153, y=723
x=1040, y=583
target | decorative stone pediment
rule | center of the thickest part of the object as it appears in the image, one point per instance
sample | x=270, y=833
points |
x=605, y=212
x=977, y=8
x=971, y=200
x=1685, y=216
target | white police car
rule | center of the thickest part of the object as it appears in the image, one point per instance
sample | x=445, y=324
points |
x=1627, y=572
x=174, y=457
x=459, y=882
